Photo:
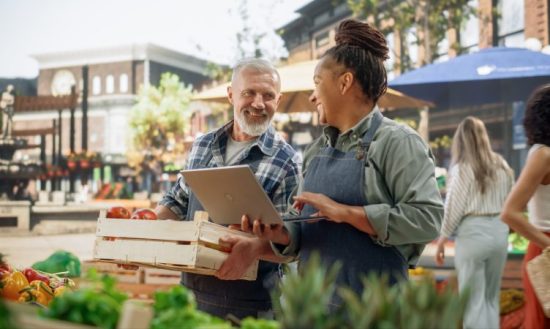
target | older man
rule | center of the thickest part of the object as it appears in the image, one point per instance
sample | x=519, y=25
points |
x=248, y=139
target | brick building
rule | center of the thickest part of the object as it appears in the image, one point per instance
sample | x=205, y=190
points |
x=498, y=23
x=115, y=75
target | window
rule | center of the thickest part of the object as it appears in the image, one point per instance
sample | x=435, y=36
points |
x=322, y=40
x=390, y=62
x=123, y=83
x=442, y=51
x=511, y=23
x=412, y=46
x=96, y=85
x=469, y=30
x=110, y=84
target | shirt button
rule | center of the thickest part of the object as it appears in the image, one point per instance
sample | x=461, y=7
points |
x=354, y=136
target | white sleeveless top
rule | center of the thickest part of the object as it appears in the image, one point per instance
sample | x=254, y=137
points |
x=539, y=205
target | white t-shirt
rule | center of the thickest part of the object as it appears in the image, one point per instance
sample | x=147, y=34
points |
x=234, y=150
x=539, y=205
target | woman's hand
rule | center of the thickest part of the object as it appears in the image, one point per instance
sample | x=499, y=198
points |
x=326, y=207
x=336, y=212
x=440, y=252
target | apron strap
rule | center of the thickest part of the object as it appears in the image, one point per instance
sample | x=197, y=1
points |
x=364, y=144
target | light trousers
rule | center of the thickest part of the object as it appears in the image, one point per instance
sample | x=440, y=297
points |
x=480, y=255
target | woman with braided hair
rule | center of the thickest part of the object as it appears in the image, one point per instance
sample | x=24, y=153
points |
x=371, y=178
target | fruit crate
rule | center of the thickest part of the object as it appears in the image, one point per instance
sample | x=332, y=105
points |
x=187, y=246
x=161, y=276
x=120, y=273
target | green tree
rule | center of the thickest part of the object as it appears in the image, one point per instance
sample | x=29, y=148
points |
x=429, y=21
x=159, y=120
x=255, y=38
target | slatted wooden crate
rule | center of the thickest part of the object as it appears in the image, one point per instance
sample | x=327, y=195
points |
x=120, y=273
x=188, y=246
x=161, y=276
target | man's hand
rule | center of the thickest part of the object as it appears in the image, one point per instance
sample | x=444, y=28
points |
x=244, y=251
x=274, y=233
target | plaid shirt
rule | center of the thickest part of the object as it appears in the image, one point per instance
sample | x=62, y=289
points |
x=276, y=161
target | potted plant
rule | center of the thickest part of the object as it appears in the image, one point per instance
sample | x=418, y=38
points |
x=302, y=301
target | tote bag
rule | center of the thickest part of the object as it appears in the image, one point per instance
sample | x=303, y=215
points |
x=538, y=270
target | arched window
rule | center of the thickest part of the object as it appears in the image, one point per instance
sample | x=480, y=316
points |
x=96, y=85
x=123, y=83
x=110, y=84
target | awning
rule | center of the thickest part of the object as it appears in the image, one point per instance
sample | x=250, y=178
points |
x=492, y=75
x=297, y=85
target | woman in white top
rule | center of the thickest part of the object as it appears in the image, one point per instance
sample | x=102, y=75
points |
x=533, y=189
x=479, y=182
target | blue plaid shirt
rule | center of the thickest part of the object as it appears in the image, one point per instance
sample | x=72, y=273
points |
x=276, y=161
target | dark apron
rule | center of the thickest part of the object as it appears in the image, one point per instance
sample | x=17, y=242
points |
x=237, y=297
x=340, y=176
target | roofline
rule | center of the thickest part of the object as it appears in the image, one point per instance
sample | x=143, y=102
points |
x=122, y=53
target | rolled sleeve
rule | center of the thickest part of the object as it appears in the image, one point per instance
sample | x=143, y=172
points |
x=176, y=199
x=378, y=217
x=405, y=206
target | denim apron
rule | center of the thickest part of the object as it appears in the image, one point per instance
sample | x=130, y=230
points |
x=340, y=176
x=237, y=297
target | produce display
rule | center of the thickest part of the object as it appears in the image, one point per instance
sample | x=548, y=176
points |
x=31, y=285
x=511, y=300
x=60, y=261
x=302, y=300
x=517, y=242
x=99, y=303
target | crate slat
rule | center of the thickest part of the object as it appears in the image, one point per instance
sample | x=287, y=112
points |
x=145, y=251
x=188, y=246
x=170, y=230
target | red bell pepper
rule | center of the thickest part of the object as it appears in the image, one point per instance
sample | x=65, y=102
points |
x=32, y=275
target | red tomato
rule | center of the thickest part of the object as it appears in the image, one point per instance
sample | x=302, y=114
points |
x=144, y=213
x=118, y=212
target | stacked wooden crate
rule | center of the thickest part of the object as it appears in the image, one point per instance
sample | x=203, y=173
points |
x=187, y=246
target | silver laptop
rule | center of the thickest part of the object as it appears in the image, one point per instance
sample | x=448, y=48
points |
x=228, y=193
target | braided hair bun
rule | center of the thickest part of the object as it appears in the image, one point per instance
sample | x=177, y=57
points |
x=354, y=33
x=362, y=49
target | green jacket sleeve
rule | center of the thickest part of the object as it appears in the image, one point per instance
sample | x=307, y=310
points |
x=404, y=204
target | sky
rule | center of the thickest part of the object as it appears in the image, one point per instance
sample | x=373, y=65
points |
x=203, y=28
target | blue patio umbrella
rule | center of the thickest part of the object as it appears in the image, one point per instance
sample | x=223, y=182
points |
x=492, y=75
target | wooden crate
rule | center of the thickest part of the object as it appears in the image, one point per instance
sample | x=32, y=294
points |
x=188, y=246
x=161, y=276
x=121, y=274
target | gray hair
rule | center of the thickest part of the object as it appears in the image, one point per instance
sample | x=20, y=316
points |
x=258, y=64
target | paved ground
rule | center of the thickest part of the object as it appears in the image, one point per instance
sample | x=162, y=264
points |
x=22, y=249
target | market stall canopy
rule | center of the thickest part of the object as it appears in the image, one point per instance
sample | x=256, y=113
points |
x=492, y=75
x=297, y=85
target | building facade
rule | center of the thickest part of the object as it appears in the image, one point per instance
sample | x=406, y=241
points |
x=115, y=76
x=510, y=23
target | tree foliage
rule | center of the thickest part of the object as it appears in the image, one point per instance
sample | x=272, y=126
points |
x=160, y=118
x=429, y=21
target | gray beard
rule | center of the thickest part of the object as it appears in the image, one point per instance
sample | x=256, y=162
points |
x=251, y=129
